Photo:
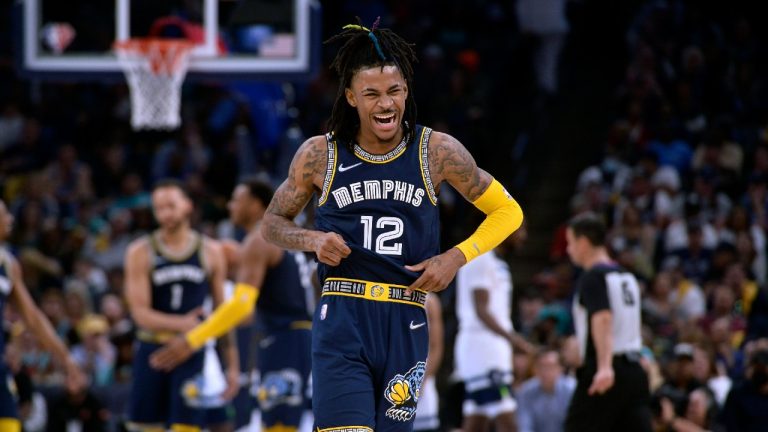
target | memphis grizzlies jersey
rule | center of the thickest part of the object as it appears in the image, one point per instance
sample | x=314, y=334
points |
x=179, y=283
x=384, y=206
x=287, y=294
x=608, y=287
x=5, y=290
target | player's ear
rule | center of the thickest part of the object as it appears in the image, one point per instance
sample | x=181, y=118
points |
x=350, y=95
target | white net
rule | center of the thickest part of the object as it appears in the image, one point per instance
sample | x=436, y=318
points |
x=155, y=70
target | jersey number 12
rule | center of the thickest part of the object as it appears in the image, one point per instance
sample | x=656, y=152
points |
x=395, y=232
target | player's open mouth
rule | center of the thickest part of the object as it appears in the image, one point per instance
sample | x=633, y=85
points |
x=384, y=119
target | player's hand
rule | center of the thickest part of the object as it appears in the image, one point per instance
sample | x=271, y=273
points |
x=233, y=384
x=331, y=248
x=667, y=410
x=175, y=352
x=190, y=320
x=602, y=382
x=438, y=271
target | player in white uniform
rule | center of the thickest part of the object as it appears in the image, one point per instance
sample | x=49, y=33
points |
x=483, y=350
x=428, y=409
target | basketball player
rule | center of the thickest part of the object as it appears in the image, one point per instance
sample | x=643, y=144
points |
x=12, y=289
x=168, y=275
x=612, y=388
x=282, y=314
x=484, y=343
x=377, y=175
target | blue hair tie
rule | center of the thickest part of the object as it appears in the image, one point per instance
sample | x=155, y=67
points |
x=376, y=44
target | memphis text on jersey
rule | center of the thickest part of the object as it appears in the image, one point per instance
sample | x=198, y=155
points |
x=178, y=273
x=378, y=190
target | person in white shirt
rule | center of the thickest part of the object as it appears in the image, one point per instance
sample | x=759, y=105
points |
x=483, y=350
x=427, y=411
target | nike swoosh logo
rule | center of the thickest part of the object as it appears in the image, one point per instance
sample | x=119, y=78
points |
x=415, y=326
x=343, y=168
x=267, y=341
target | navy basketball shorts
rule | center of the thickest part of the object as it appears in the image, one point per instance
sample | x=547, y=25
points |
x=8, y=400
x=368, y=359
x=489, y=395
x=243, y=402
x=284, y=362
x=157, y=397
x=218, y=416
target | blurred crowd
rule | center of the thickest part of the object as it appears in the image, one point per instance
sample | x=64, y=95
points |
x=683, y=185
x=682, y=182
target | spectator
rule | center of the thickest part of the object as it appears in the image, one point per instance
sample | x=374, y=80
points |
x=52, y=305
x=746, y=408
x=752, y=301
x=658, y=309
x=680, y=374
x=76, y=409
x=95, y=354
x=688, y=298
x=70, y=179
x=714, y=375
x=543, y=400
x=724, y=306
x=695, y=258
x=700, y=414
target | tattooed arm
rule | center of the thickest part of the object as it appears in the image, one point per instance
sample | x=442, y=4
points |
x=449, y=161
x=305, y=176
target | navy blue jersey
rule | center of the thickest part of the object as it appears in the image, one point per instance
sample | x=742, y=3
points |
x=179, y=284
x=5, y=291
x=287, y=294
x=384, y=206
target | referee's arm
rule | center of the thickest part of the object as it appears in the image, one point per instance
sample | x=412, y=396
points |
x=602, y=336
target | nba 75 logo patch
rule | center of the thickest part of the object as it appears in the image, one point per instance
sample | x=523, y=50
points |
x=403, y=393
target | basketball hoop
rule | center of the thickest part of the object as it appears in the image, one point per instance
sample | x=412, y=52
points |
x=155, y=69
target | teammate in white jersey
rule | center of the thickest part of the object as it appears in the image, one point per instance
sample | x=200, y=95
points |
x=612, y=388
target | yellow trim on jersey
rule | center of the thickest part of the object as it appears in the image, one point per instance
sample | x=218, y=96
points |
x=327, y=187
x=160, y=249
x=376, y=291
x=144, y=427
x=504, y=216
x=427, y=181
x=184, y=428
x=10, y=425
x=226, y=316
x=346, y=429
x=278, y=427
x=301, y=325
x=156, y=337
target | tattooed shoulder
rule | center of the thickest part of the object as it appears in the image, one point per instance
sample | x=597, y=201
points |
x=305, y=176
x=451, y=162
x=309, y=164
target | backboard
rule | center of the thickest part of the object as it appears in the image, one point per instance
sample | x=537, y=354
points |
x=239, y=39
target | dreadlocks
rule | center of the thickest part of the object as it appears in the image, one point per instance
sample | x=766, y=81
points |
x=363, y=48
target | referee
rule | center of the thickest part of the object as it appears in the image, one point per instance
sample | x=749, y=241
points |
x=612, y=388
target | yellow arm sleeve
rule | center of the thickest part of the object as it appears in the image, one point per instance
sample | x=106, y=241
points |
x=225, y=317
x=503, y=217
